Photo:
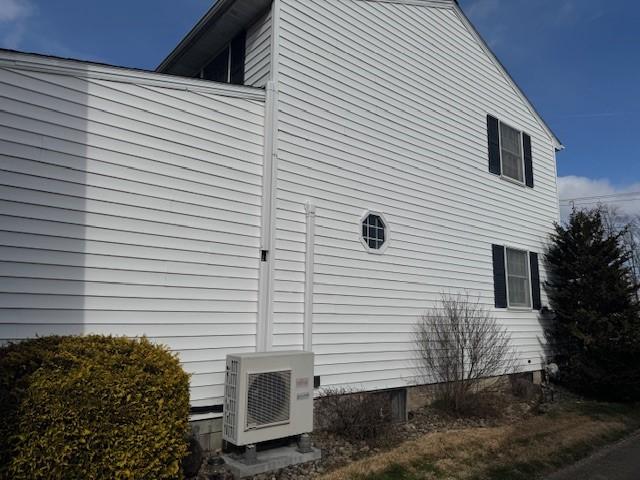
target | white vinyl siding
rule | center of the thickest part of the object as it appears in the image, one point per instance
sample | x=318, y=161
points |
x=383, y=108
x=518, y=278
x=258, y=52
x=128, y=208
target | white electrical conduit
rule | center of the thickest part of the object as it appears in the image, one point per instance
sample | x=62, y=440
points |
x=308, y=279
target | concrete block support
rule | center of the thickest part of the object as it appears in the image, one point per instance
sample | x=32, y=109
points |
x=209, y=433
x=270, y=460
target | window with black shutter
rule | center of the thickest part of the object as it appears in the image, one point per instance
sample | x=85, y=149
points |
x=516, y=278
x=510, y=153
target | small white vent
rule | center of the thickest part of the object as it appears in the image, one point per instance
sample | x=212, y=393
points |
x=268, y=399
x=231, y=400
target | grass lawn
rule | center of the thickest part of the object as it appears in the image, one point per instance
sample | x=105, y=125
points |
x=527, y=450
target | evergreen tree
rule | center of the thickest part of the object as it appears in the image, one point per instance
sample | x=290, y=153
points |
x=592, y=292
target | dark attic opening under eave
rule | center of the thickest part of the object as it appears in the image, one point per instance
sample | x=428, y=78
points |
x=211, y=34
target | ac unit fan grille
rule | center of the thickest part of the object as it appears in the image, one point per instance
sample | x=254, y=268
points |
x=268, y=398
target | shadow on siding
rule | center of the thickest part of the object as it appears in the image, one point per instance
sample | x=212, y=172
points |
x=43, y=233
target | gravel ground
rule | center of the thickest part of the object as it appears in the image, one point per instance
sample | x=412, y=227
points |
x=338, y=451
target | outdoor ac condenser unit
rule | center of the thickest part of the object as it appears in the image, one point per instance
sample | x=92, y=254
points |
x=267, y=396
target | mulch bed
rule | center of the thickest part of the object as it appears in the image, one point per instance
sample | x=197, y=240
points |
x=338, y=451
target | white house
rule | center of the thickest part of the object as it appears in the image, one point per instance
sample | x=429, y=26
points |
x=298, y=174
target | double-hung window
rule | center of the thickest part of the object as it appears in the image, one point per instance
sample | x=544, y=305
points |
x=518, y=278
x=511, y=153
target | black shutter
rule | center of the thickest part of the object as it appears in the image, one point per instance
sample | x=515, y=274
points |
x=238, y=50
x=499, y=277
x=528, y=160
x=535, y=281
x=493, y=132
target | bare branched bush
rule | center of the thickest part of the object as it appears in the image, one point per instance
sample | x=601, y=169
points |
x=353, y=414
x=462, y=350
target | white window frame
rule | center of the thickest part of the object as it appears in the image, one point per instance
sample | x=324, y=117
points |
x=387, y=238
x=506, y=279
x=502, y=175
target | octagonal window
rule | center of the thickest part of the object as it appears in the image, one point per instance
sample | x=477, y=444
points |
x=374, y=231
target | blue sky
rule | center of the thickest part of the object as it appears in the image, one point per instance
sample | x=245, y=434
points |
x=577, y=60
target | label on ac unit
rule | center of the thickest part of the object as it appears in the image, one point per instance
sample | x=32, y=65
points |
x=302, y=383
x=303, y=396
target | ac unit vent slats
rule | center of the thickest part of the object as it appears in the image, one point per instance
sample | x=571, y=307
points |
x=231, y=405
x=268, y=398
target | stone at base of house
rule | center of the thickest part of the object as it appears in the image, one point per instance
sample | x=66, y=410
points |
x=208, y=433
x=419, y=396
x=537, y=377
x=270, y=460
x=423, y=395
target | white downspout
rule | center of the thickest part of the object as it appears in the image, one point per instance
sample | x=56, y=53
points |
x=308, y=279
x=264, y=327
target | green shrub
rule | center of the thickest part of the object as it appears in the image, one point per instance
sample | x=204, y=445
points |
x=92, y=408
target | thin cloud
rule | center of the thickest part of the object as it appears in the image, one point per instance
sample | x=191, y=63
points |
x=12, y=10
x=592, y=115
x=18, y=32
x=481, y=9
x=14, y=15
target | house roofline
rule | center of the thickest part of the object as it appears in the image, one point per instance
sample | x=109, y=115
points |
x=221, y=7
x=485, y=46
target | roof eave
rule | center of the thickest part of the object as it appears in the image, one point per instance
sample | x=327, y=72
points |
x=224, y=18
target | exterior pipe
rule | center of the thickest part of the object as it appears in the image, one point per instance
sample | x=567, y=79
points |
x=264, y=327
x=308, y=280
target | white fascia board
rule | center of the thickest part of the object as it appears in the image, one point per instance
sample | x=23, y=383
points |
x=77, y=68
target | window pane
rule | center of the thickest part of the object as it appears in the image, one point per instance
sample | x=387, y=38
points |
x=238, y=47
x=518, y=292
x=517, y=263
x=510, y=139
x=218, y=69
x=512, y=166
